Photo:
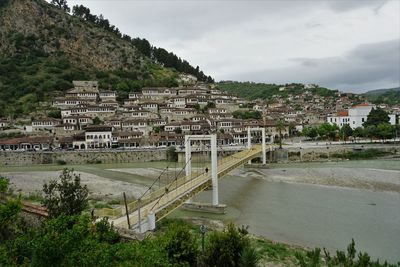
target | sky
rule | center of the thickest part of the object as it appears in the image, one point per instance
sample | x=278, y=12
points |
x=350, y=45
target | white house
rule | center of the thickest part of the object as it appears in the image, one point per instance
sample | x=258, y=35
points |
x=355, y=116
x=98, y=136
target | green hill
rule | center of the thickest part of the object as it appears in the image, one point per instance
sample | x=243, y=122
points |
x=378, y=92
x=43, y=49
x=389, y=96
x=251, y=91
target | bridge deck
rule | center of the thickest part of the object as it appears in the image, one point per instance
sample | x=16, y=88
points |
x=164, y=200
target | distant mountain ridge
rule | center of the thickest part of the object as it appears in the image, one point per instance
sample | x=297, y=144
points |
x=378, y=92
x=389, y=96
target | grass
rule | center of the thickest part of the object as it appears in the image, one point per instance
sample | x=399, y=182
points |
x=100, y=205
x=36, y=198
x=277, y=252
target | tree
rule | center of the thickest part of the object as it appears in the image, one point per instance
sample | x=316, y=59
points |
x=62, y=4
x=311, y=132
x=226, y=248
x=327, y=130
x=67, y=196
x=80, y=11
x=252, y=114
x=178, y=130
x=358, y=132
x=345, y=132
x=180, y=245
x=376, y=117
x=280, y=126
x=97, y=121
x=54, y=114
x=156, y=129
x=9, y=213
x=371, y=131
x=385, y=131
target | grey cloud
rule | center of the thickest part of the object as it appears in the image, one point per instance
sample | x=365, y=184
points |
x=232, y=39
x=344, y=5
x=368, y=66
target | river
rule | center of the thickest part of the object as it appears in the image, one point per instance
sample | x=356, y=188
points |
x=315, y=215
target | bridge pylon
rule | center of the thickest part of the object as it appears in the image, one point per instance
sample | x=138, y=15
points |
x=264, y=149
x=214, y=161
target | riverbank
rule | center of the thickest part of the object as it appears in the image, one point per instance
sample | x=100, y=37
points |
x=382, y=175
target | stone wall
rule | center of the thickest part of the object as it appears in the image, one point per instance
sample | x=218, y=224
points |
x=79, y=157
x=325, y=153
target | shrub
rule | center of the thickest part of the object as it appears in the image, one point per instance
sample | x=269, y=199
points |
x=67, y=196
x=226, y=248
x=61, y=162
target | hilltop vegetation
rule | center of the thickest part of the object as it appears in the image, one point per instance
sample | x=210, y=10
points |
x=43, y=48
x=388, y=96
x=379, y=92
x=251, y=91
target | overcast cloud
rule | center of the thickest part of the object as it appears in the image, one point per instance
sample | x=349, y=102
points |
x=350, y=45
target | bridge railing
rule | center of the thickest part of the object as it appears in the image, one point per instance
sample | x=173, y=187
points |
x=225, y=165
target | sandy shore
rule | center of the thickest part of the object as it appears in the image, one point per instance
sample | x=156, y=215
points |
x=99, y=187
x=362, y=178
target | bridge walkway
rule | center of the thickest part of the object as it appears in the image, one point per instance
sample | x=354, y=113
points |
x=164, y=200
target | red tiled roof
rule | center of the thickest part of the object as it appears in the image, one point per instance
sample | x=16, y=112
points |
x=362, y=105
x=343, y=113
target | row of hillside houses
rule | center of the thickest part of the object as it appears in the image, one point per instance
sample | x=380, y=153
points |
x=215, y=120
x=104, y=136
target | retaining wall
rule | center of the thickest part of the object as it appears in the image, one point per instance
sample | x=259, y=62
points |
x=79, y=157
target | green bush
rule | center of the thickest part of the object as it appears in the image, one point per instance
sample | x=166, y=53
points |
x=224, y=249
x=61, y=162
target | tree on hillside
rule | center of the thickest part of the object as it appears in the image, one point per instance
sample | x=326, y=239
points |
x=97, y=121
x=61, y=4
x=376, y=117
x=67, y=196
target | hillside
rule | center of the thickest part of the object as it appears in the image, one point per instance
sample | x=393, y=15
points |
x=389, y=96
x=378, y=92
x=251, y=91
x=43, y=48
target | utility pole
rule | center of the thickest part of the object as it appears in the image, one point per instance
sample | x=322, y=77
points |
x=127, y=213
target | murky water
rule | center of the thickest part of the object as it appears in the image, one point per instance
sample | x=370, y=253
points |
x=313, y=215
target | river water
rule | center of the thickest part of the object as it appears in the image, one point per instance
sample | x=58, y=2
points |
x=313, y=215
